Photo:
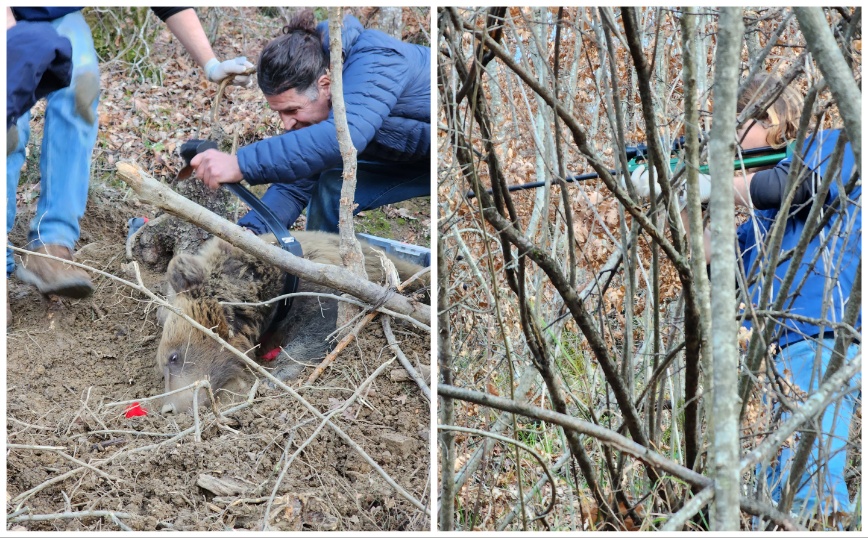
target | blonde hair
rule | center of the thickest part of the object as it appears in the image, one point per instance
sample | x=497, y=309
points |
x=782, y=117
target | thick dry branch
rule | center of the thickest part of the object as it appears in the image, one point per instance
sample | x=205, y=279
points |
x=151, y=191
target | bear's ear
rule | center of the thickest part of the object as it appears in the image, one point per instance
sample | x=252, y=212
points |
x=185, y=272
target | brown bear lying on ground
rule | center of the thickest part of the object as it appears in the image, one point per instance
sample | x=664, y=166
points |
x=202, y=284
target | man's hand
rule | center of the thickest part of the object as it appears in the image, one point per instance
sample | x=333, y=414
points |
x=216, y=70
x=215, y=168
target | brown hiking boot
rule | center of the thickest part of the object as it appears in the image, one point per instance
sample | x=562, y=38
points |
x=53, y=277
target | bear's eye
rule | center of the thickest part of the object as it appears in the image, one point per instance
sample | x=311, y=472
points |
x=173, y=358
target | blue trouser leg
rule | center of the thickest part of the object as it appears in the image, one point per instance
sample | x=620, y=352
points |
x=830, y=448
x=14, y=162
x=67, y=146
x=377, y=184
x=286, y=201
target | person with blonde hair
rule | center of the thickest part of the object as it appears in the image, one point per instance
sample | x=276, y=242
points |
x=814, y=306
x=804, y=331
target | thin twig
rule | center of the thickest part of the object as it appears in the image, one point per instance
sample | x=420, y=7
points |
x=420, y=381
x=520, y=445
x=223, y=83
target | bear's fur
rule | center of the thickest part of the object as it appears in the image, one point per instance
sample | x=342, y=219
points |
x=223, y=288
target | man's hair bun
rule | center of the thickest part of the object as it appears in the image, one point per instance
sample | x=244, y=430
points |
x=303, y=21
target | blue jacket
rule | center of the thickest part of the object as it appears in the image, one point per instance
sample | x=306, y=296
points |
x=38, y=62
x=387, y=89
x=831, y=259
x=42, y=14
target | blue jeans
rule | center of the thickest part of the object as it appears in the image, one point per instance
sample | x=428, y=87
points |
x=67, y=145
x=830, y=447
x=377, y=183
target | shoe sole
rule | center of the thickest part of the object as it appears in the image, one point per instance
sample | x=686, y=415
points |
x=74, y=288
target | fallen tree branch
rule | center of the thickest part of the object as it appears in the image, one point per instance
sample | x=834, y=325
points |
x=151, y=191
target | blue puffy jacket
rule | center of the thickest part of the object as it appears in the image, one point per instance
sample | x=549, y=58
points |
x=387, y=90
x=831, y=259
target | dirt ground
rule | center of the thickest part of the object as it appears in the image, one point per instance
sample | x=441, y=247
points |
x=70, y=450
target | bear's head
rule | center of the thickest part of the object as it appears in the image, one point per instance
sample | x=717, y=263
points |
x=216, y=288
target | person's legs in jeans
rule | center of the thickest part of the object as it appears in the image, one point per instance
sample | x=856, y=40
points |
x=14, y=162
x=830, y=448
x=377, y=184
x=67, y=146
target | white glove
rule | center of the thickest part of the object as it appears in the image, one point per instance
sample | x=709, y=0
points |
x=639, y=179
x=216, y=70
x=704, y=187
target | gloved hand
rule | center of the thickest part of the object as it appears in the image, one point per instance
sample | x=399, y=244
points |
x=639, y=179
x=216, y=70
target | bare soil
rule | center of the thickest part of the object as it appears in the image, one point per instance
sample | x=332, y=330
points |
x=70, y=450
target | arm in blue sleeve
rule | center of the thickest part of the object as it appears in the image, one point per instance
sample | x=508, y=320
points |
x=374, y=79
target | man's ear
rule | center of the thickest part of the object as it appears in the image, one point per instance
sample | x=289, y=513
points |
x=324, y=83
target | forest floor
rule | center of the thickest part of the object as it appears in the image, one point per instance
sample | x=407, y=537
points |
x=68, y=361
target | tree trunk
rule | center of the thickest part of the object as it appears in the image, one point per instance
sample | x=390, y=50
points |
x=725, y=450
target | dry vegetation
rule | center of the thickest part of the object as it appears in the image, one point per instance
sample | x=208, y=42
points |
x=513, y=333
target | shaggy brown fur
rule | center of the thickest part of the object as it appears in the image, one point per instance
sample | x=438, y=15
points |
x=221, y=273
